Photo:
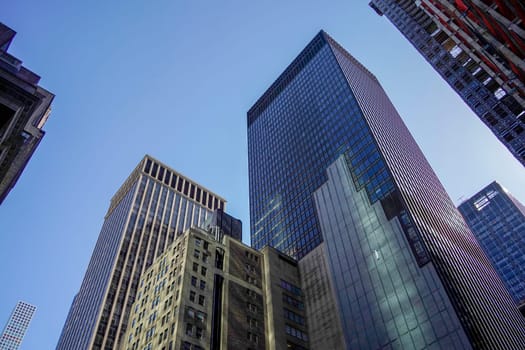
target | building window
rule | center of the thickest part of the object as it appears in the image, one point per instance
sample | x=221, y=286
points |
x=148, y=166
x=201, y=316
x=253, y=337
x=192, y=296
x=195, y=267
x=251, y=280
x=194, y=281
x=291, y=288
x=293, y=302
x=202, y=285
x=198, y=332
x=201, y=300
x=294, y=332
x=252, y=322
x=203, y=271
x=292, y=316
x=252, y=307
x=189, y=329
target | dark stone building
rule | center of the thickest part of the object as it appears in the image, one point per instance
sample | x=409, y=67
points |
x=24, y=109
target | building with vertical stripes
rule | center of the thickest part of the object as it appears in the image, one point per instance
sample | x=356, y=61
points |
x=16, y=326
x=153, y=206
x=478, y=47
x=497, y=219
x=331, y=161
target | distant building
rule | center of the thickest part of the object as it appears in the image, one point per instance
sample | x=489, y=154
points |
x=497, y=219
x=478, y=47
x=16, y=326
x=24, y=109
x=332, y=164
x=153, y=207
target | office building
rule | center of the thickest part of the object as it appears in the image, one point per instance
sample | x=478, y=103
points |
x=331, y=161
x=284, y=301
x=497, y=219
x=24, y=109
x=16, y=326
x=478, y=47
x=153, y=206
x=199, y=294
x=323, y=317
x=210, y=291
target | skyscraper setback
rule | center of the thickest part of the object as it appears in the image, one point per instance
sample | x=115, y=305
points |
x=478, y=47
x=497, y=219
x=331, y=160
x=24, y=109
x=153, y=206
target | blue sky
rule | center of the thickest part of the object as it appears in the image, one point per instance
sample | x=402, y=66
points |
x=174, y=79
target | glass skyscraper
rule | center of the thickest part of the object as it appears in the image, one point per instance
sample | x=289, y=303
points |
x=497, y=220
x=331, y=160
x=153, y=206
x=478, y=48
x=16, y=326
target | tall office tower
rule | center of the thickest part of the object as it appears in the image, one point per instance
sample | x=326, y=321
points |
x=153, y=206
x=406, y=269
x=478, y=47
x=16, y=327
x=497, y=219
x=24, y=109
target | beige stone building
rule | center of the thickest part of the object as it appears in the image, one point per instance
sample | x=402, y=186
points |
x=211, y=291
x=203, y=292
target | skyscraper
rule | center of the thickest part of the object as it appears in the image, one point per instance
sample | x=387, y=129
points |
x=24, y=109
x=153, y=206
x=497, y=219
x=16, y=326
x=330, y=159
x=478, y=47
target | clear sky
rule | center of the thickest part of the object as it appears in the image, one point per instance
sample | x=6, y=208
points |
x=175, y=79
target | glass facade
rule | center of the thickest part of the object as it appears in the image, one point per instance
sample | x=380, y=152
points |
x=290, y=145
x=498, y=222
x=16, y=326
x=327, y=106
x=456, y=48
x=385, y=298
x=153, y=206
